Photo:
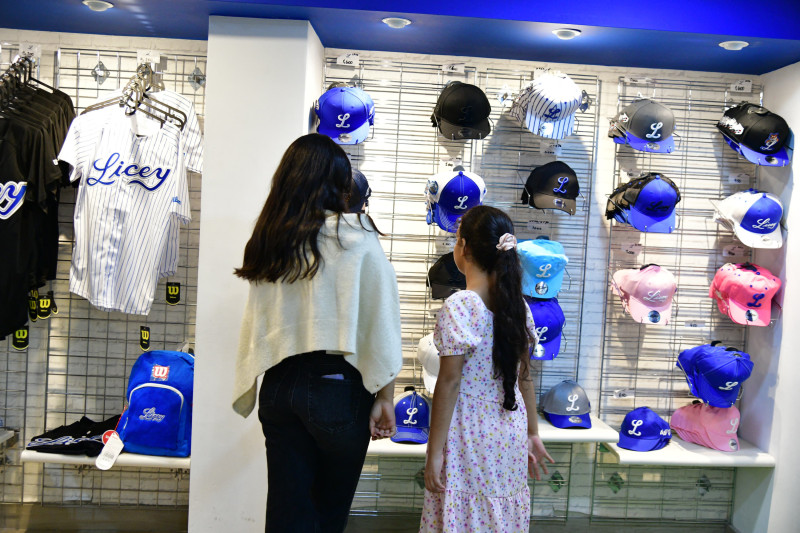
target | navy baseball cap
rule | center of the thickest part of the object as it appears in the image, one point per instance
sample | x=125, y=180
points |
x=756, y=133
x=552, y=186
x=567, y=406
x=345, y=114
x=444, y=278
x=643, y=431
x=646, y=126
x=450, y=195
x=647, y=203
x=360, y=193
x=549, y=320
x=413, y=417
x=543, y=263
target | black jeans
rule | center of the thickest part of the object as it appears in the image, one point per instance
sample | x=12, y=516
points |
x=314, y=411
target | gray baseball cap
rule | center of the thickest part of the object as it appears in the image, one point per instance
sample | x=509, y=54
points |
x=646, y=126
x=567, y=406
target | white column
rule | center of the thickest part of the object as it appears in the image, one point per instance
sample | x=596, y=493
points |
x=263, y=76
x=766, y=500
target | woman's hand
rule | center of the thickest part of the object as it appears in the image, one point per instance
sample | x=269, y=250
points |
x=536, y=456
x=433, y=471
x=381, y=418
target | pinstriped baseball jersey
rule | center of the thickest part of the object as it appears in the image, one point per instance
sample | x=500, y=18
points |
x=133, y=185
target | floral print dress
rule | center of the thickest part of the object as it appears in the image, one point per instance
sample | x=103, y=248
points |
x=485, y=455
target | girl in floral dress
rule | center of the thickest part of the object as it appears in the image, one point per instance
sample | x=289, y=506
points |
x=484, y=437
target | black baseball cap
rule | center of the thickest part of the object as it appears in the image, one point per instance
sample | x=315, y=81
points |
x=444, y=278
x=645, y=125
x=552, y=186
x=359, y=193
x=757, y=133
x=462, y=112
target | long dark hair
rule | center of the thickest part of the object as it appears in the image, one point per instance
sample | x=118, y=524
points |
x=481, y=228
x=313, y=176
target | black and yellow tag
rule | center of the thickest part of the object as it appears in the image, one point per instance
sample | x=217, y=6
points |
x=144, y=338
x=20, y=341
x=173, y=293
x=45, y=306
x=53, y=306
x=33, y=305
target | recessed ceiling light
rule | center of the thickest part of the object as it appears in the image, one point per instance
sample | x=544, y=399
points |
x=97, y=5
x=396, y=22
x=734, y=45
x=566, y=33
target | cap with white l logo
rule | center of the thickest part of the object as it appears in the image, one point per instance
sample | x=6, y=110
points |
x=567, y=406
x=753, y=216
x=646, y=293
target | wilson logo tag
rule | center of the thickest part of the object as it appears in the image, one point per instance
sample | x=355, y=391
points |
x=144, y=338
x=159, y=373
x=173, y=293
x=20, y=341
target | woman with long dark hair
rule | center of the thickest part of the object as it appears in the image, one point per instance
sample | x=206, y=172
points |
x=484, y=435
x=322, y=324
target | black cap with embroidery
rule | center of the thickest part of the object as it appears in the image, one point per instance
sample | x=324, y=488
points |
x=444, y=278
x=462, y=112
x=552, y=186
x=758, y=134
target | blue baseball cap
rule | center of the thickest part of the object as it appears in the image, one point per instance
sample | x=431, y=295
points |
x=715, y=373
x=413, y=417
x=345, y=114
x=754, y=216
x=549, y=320
x=543, y=263
x=643, y=430
x=450, y=195
x=649, y=204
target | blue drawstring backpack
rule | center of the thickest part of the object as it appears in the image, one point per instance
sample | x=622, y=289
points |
x=158, y=420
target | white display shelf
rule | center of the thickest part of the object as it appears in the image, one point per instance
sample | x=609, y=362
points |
x=599, y=432
x=5, y=435
x=125, y=459
x=681, y=453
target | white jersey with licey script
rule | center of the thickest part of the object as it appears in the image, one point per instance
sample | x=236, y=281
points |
x=133, y=187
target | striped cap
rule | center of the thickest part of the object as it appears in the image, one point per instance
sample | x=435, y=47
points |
x=547, y=105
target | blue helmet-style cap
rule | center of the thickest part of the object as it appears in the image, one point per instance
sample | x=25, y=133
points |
x=345, y=114
x=643, y=430
x=543, y=263
x=549, y=320
x=413, y=417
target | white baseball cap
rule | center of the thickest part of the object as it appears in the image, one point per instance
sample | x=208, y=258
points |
x=428, y=355
x=754, y=216
x=547, y=105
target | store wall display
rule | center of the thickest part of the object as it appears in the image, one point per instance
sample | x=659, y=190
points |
x=708, y=426
x=643, y=430
x=756, y=133
x=753, y=216
x=647, y=203
x=444, y=278
x=412, y=411
x=549, y=319
x=644, y=125
x=715, y=373
x=450, y=194
x=345, y=114
x=543, y=265
x=428, y=357
x=646, y=293
x=744, y=292
x=462, y=112
x=552, y=186
x=547, y=105
x=566, y=406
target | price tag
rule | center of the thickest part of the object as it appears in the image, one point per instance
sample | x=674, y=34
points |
x=632, y=248
x=111, y=450
x=739, y=179
x=639, y=80
x=148, y=56
x=623, y=393
x=350, y=59
x=504, y=95
x=538, y=71
x=451, y=161
x=551, y=148
x=694, y=324
x=33, y=51
x=455, y=68
x=734, y=250
x=537, y=225
x=742, y=86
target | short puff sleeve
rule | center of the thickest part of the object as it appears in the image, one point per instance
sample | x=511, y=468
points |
x=457, y=329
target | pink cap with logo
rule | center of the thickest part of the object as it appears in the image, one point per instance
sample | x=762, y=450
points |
x=744, y=292
x=646, y=293
x=712, y=427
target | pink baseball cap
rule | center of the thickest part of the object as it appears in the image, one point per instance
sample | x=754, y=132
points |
x=744, y=292
x=646, y=293
x=712, y=427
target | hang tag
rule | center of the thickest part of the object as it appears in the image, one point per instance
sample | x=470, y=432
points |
x=739, y=179
x=742, y=86
x=44, y=306
x=632, y=248
x=350, y=59
x=30, y=50
x=144, y=338
x=639, y=80
x=538, y=71
x=20, y=341
x=173, y=293
x=623, y=393
x=33, y=305
x=454, y=68
x=551, y=148
x=451, y=161
x=111, y=450
x=694, y=324
x=537, y=225
x=152, y=57
x=734, y=250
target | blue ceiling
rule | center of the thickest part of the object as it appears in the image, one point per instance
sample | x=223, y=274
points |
x=679, y=34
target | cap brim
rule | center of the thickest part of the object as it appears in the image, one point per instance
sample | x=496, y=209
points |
x=778, y=159
x=442, y=292
x=356, y=136
x=547, y=351
x=759, y=240
x=665, y=146
x=553, y=285
x=550, y=130
x=569, y=421
x=641, y=445
x=652, y=315
x=446, y=220
x=723, y=443
x=457, y=132
x=411, y=435
x=429, y=380
x=750, y=316
x=546, y=201
x=713, y=396
x=651, y=224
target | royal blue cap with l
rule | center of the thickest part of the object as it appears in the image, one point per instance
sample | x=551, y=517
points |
x=549, y=320
x=543, y=263
x=643, y=431
x=345, y=114
x=719, y=375
x=652, y=205
x=450, y=195
x=413, y=417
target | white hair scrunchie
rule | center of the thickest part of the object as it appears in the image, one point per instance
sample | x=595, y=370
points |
x=507, y=242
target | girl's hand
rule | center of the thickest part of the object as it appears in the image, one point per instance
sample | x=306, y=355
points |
x=434, y=462
x=536, y=456
x=381, y=419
